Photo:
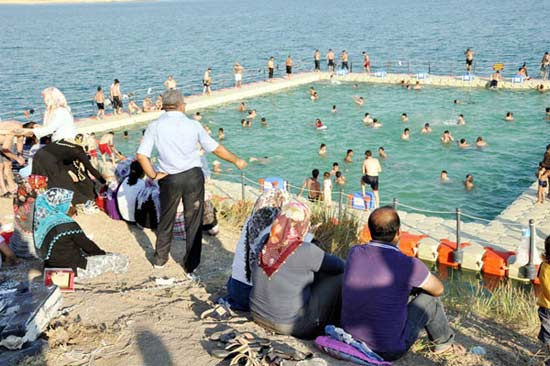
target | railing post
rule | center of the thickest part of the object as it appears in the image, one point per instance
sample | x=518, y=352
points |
x=340, y=197
x=458, y=253
x=530, y=268
x=242, y=185
x=395, y=202
x=429, y=67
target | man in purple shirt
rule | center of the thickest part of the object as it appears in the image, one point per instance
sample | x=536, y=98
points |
x=388, y=297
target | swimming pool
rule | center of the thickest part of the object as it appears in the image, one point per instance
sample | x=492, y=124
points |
x=502, y=170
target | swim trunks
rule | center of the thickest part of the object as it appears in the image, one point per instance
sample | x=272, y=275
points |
x=371, y=181
x=494, y=83
x=238, y=77
x=93, y=153
x=206, y=83
x=543, y=183
x=345, y=65
x=331, y=63
x=317, y=65
x=289, y=69
x=270, y=71
x=105, y=149
x=469, y=62
x=117, y=103
x=366, y=64
x=100, y=106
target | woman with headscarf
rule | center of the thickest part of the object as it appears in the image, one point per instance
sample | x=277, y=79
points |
x=128, y=191
x=297, y=286
x=61, y=243
x=253, y=236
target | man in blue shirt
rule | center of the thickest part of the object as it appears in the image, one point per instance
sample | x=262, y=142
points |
x=177, y=140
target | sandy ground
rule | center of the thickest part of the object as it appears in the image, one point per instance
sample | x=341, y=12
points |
x=128, y=320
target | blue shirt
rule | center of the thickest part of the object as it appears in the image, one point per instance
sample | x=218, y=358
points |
x=176, y=138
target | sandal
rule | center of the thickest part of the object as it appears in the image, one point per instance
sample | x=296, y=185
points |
x=218, y=312
x=454, y=348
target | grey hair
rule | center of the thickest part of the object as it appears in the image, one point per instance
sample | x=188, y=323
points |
x=172, y=99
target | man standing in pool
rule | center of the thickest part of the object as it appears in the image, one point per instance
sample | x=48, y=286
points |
x=469, y=59
x=371, y=170
x=177, y=140
x=330, y=60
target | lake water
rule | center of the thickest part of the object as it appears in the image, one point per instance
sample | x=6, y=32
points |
x=79, y=46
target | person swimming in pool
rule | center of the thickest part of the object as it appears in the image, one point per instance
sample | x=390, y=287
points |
x=406, y=135
x=125, y=135
x=426, y=129
x=359, y=101
x=547, y=114
x=480, y=142
x=333, y=109
x=404, y=117
x=264, y=161
x=311, y=91
x=382, y=153
x=447, y=138
x=249, y=123
x=319, y=124
x=323, y=150
x=197, y=116
x=349, y=156
x=376, y=123
x=216, y=166
x=242, y=107
x=221, y=134
x=340, y=179
x=314, y=96
x=252, y=114
x=469, y=182
x=509, y=117
x=463, y=144
x=460, y=121
x=540, y=88
x=444, y=176
x=243, y=123
x=367, y=119
x=417, y=86
x=263, y=121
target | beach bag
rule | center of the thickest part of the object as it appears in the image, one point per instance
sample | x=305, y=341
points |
x=111, y=204
x=346, y=352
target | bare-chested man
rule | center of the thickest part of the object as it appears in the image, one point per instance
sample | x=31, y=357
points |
x=170, y=83
x=317, y=59
x=270, y=68
x=313, y=187
x=545, y=66
x=238, y=71
x=207, y=82
x=330, y=60
x=469, y=59
x=100, y=102
x=345, y=63
x=107, y=147
x=116, y=97
x=288, y=65
x=371, y=170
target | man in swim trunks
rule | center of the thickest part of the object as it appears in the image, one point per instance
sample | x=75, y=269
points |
x=270, y=67
x=116, y=96
x=460, y=121
x=545, y=66
x=313, y=187
x=344, y=57
x=170, y=83
x=317, y=59
x=288, y=64
x=107, y=147
x=367, y=119
x=366, y=62
x=469, y=59
x=330, y=60
x=238, y=71
x=495, y=78
x=100, y=102
x=371, y=170
x=207, y=82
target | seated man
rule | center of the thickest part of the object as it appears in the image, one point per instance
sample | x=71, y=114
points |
x=376, y=294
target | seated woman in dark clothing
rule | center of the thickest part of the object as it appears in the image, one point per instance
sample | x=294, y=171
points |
x=66, y=166
x=61, y=243
x=297, y=286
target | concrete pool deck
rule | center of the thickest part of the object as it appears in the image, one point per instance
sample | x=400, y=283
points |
x=503, y=233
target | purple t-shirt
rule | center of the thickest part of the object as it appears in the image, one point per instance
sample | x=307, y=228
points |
x=376, y=287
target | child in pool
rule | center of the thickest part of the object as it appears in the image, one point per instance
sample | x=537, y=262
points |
x=542, y=176
x=543, y=301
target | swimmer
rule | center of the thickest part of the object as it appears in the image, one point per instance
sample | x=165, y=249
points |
x=314, y=96
x=463, y=144
x=319, y=124
x=340, y=179
x=382, y=153
x=406, y=134
x=242, y=107
x=359, y=101
x=249, y=123
x=460, y=121
x=263, y=121
x=349, y=156
x=334, y=81
x=216, y=166
x=264, y=160
x=333, y=109
x=312, y=91
x=469, y=182
x=125, y=134
x=547, y=114
x=540, y=88
x=376, y=123
x=402, y=83
x=426, y=129
x=408, y=87
x=323, y=150
x=367, y=119
x=456, y=101
x=243, y=122
x=509, y=117
x=252, y=114
x=404, y=117
x=197, y=116
x=495, y=78
x=417, y=86
x=480, y=142
x=207, y=129
x=221, y=134
x=444, y=176
x=447, y=138
x=335, y=168
x=355, y=86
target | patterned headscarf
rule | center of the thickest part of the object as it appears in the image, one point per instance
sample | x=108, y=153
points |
x=265, y=210
x=50, y=211
x=23, y=202
x=287, y=234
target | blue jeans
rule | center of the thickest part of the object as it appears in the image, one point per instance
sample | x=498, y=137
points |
x=238, y=295
x=424, y=312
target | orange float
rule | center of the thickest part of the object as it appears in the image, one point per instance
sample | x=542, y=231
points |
x=445, y=252
x=408, y=243
x=495, y=262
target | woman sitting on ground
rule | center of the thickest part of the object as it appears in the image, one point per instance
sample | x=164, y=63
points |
x=297, y=286
x=128, y=191
x=61, y=243
x=253, y=235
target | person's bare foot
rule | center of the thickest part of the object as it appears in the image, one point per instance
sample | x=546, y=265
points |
x=453, y=348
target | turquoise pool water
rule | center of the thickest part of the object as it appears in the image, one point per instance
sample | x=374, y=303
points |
x=502, y=170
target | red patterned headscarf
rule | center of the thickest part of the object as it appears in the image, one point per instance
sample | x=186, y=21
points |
x=287, y=234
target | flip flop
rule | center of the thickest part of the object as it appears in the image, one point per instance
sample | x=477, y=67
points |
x=454, y=348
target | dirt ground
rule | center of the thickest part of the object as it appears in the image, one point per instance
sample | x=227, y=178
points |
x=127, y=319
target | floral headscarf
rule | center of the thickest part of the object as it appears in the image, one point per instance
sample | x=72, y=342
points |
x=287, y=234
x=23, y=202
